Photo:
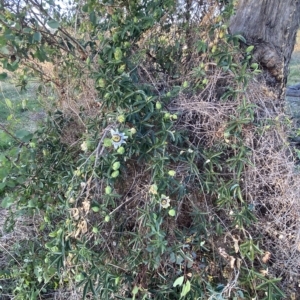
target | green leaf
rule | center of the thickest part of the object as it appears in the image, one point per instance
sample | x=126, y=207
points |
x=2, y=185
x=85, y=290
x=7, y=202
x=10, y=183
x=95, y=208
x=4, y=172
x=185, y=289
x=37, y=36
x=93, y=18
x=3, y=76
x=254, y=66
x=24, y=135
x=8, y=103
x=27, y=30
x=53, y=24
x=5, y=50
x=135, y=290
x=31, y=203
x=40, y=54
x=85, y=8
x=178, y=281
x=249, y=49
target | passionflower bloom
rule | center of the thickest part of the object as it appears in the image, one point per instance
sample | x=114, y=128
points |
x=118, y=138
x=164, y=201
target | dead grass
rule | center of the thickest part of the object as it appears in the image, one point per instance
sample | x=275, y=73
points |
x=25, y=229
x=270, y=183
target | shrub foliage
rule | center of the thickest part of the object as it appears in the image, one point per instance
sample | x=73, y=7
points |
x=146, y=181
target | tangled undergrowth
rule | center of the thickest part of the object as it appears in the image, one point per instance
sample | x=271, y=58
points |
x=169, y=178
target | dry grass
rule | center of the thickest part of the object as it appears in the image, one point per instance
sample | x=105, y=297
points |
x=270, y=183
x=25, y=229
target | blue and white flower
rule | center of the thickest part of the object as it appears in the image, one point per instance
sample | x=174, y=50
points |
x=165, y=201
x=118, y=138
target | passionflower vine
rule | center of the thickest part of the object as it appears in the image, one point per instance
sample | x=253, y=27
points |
x=117, y=138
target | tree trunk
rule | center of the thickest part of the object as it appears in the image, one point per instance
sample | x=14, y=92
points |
x=271, y=26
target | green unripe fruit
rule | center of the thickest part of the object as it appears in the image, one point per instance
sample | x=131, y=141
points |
x=172, y=173
x=116, y=165
x=108, y=190
x=185, y=84
x=174, y=117
x=158, y=105
x=115, y=174
x=167, y=116
x=107, y=218
x=121, y=150
x=172, y=212
x=101, y=83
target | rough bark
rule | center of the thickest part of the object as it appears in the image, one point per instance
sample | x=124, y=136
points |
x=271, y=26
